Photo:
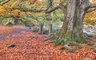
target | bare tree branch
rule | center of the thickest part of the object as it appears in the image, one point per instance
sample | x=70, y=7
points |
x=4, y=2
x=91, y=10
x=90, y=5
x=52, y=9
x=28, y=10
x=49, y=5
x=25, y=9
x=55, y=8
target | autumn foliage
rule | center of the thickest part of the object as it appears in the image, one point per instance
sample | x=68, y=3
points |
x=27, y=48
x=32, y=1
x=90, y=18
x=16, y=12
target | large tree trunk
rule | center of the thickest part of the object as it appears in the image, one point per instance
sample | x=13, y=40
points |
x=72, y=28
x=71, y=32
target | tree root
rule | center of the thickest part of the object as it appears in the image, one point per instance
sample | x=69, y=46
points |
x=49, y=42
x=62, y=40
x=46, y=39
x=90, y=41
x=50, y=38
x=73, y=50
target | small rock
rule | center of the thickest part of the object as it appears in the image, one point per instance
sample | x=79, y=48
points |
x=11, y=45
x=66, y=46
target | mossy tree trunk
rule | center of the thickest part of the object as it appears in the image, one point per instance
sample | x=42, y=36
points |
x=72, y=29
x=73, y=23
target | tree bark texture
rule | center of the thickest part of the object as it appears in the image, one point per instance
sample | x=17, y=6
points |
x=73, y=20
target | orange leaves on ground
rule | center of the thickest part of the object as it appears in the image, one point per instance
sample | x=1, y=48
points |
x=5, y=29
x=27, y=48
x=18, y=26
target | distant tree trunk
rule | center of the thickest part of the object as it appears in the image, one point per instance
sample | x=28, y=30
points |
x=8, y=22
x=1, y=22
x=50, y=28
x=16, y=20
x=41, y=28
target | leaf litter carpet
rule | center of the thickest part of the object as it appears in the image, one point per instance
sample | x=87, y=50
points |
x=27, y=48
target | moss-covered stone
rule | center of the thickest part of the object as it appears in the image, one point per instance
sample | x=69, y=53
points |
x=11, y=45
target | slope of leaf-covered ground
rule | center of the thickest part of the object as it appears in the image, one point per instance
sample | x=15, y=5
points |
x=27, y=48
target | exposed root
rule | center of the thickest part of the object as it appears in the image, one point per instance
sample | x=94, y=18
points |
x=90, y=41
x=46, y=39
x=73, y=50
x=68, y=41
x=49, y=42
x=52, y=37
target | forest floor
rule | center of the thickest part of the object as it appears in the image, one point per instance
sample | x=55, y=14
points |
x=27, y=48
